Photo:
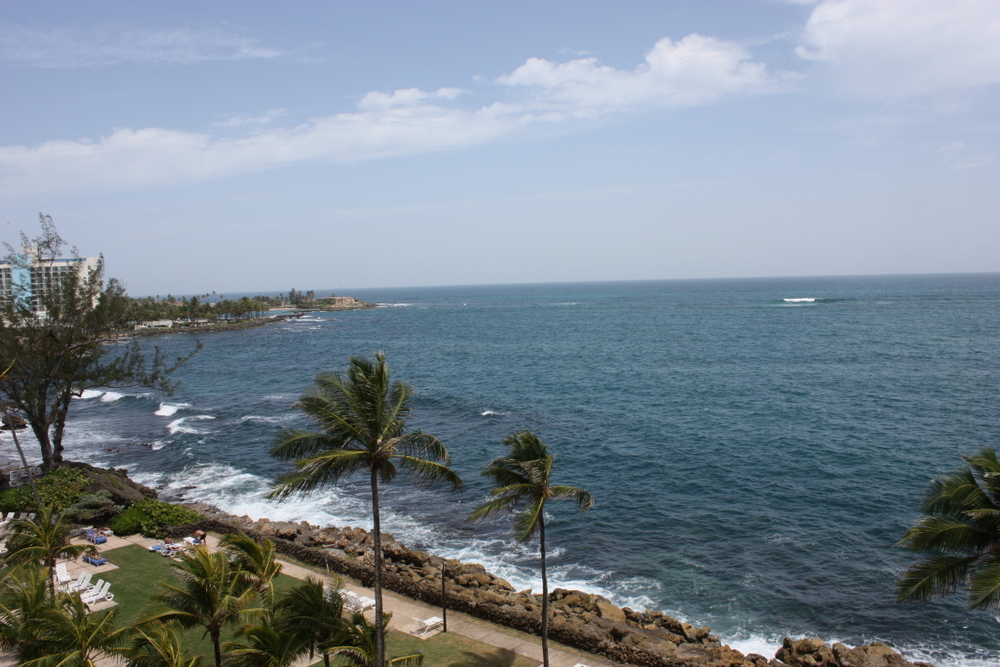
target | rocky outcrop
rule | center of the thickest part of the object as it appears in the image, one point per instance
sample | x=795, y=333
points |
x=582, y=620
x=123, y=491
x=815, y=653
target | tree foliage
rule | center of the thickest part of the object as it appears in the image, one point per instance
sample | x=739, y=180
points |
x=58, y=342
x=959, y=536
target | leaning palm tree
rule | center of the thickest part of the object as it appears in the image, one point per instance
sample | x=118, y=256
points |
x=959, y=535
x=360, y=418
x=359, y=641
x=256, y=561
x=522, y=478
x=68, y=633
x=211, y=594
x=313, y=613
x=43, y=540
x=159, y=645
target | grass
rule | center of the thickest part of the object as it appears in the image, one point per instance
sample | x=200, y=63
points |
x=139, y=570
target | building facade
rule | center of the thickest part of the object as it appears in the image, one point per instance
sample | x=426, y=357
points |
x=28, y=277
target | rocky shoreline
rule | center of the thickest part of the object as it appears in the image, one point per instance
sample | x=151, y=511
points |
x=582, y=620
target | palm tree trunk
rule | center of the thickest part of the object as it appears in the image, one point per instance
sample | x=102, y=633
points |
x=218, y=648
x=377, y=539
x=545, y=595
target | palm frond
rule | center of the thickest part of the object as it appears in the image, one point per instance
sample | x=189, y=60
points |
x=430, y=472
x=932, y=534
x=984, y=584
x=528, y=520
x=934, y=576
x=580, y=496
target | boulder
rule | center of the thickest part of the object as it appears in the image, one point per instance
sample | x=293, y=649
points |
x=610, y=611
x=811, y=652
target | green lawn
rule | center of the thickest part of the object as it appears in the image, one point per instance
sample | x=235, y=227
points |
x=139, y=570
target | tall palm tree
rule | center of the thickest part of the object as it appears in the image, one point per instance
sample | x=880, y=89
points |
x=359, y=642
x=360, y=419
x=522, y=479
x=42, y=540
x=159, y=645
x=211, y=594
x=313, y=613
x=256, y=561
x=959, y=535
x=68, y=633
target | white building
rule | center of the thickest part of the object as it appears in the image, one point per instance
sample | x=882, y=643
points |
x=29, y=277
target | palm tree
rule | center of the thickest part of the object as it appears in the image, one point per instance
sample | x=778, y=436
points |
x=267, y=644
x=43, y=540
x=159, y=645
x=25, y=594
x=256, y=561
x=360, y=419
x=359, y=644
x=959, y=535
x=68, y=633
x=311, y=612
x=212, y=594
x=522, y=478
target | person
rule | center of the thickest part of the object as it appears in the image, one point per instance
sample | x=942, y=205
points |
x=199, y=537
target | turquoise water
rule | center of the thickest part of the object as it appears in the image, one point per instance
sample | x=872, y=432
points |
x=752, y=460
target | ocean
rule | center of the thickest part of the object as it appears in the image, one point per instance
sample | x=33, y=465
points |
x=752, y=459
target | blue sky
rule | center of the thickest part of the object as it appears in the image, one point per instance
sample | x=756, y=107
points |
x=252, y=146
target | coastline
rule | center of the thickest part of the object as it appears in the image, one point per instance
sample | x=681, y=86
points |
x=585, y=621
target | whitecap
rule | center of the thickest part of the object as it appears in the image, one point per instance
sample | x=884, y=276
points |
x=90, y=393
x=168, y=409
x=804, y=299
x=179, y=426
x=393, y=305
x=110, y=397
x=489, y=413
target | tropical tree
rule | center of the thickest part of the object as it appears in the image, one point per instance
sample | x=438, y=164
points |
x=25, y=594
x=360, y=419
x=359, y=642
x=68, y=633
x=211, y=594
x=522, y=479
x=159, y=645
x=256, y=563
x=313, y=613
x=42, y=540
x=266, y=644
x=56, y=333
x=959, y=536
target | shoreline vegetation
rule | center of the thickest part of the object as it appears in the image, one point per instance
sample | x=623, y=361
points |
x=585, y=621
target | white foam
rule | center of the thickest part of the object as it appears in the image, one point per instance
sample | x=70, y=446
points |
x=168, y=409
x=393, y=305
x=90, y=393
x=179, y=426
x=277, y=419
x=490, y=413
x=110, y=397
x=805, y=299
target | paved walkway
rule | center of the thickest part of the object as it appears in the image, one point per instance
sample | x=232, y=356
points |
x=406, y=613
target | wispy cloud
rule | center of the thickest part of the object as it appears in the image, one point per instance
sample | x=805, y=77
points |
x=959, y=157
x=241, y=120
x=109, y=45
x=903, y=49
x=695, y=70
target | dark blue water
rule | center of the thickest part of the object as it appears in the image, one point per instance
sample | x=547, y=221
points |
x=753, y=461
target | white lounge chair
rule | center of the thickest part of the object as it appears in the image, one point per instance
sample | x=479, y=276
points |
x=357, y=603
x=81, y=584
x=428, y=624
x=62, y=574
x=100, y=592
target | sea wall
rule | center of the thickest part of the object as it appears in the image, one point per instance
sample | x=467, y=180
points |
x=585, y=621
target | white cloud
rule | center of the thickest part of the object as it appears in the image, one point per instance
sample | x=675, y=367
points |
x=957, y=156
x=897, y=48
x=695, y=70
x=263, y=118
x=109, y=45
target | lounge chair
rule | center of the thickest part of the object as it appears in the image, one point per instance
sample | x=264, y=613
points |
x=100, y=592
x=81, y=584
x=357, y=603
x=428, y=624
x=95, y=560
x=62, y=574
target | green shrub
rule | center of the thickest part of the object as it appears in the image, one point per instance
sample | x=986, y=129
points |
x=60, y=488
x=128, y=522
x=158, y=515
x=92, y=507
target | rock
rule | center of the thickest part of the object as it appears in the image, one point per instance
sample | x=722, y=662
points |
x=870, y=655
x=116, y=482
x=811, y=652
x=609, y=611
